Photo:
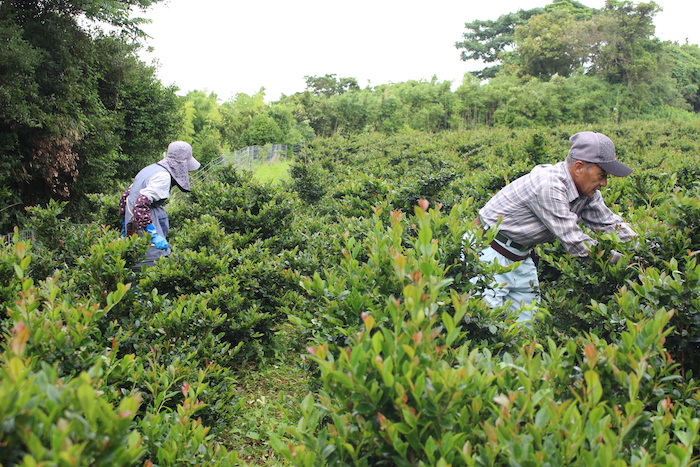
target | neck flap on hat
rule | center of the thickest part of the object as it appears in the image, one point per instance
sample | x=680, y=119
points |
x=178, y=170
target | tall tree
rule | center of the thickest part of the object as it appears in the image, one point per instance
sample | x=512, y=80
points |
x=117, y=13
x=629, y=57
x=145, y=114
x=488, y=40
x=202, y=125
x=238, y=113
x=615, y=44
x=556, y=42
x=330, y=85
x=63, y=96
x=626, y=48
x=425, y=105
x=686, y=71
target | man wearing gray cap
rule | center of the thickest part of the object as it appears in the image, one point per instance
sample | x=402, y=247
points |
x=548, y=204
x=141, y=206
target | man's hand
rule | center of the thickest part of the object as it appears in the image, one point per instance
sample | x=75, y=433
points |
x=615, y=256
x=627, y=234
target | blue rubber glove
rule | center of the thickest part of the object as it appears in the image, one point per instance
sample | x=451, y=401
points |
x=158, y=240
x=123, y=227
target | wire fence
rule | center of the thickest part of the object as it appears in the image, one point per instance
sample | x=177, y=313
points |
x=22, y=235
x=248, y=158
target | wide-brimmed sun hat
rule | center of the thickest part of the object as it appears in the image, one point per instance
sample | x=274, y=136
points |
x=179, y=162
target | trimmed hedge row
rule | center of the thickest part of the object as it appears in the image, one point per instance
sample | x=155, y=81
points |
x=362, y=253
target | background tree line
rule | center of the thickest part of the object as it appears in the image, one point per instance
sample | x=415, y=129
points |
x=77, y=106
x=565, y=63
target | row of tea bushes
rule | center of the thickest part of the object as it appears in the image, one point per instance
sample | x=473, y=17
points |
x=405, y=358
x=72, y=395
x=413, y=370
x=412, y=384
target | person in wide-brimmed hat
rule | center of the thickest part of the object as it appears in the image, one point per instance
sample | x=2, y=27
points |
x=141, y=206
x=548, y=204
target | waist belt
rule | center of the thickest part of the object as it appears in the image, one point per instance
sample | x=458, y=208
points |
x=507, y=241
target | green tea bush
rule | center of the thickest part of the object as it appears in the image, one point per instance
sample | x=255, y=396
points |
x=105, y=208
x=48, y=420
x=308, y=181
x=11, y=253
x=355, y=197
x=176, y=438
x=249, y=286
x=681, y=212
x=205, y=233
x=242, y=206
x=674, y=287
x=183, y=328
x=59, y=242
x=186, y=272
x=265, y=279
x=168, y=366
x=408, y=365
x=430, y=187
x=72, y=362
x=110, y=261
x=374, y=267
x=413, y=392
x=658, y=271
x=62, y=332
x=568, y=286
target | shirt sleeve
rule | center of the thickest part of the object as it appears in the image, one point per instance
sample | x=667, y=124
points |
x=157, y=187
x=551, y=205
x=599, y=217
x=142, y=212
x=122, y=202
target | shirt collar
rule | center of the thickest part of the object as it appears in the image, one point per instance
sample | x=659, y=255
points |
x=571, y=190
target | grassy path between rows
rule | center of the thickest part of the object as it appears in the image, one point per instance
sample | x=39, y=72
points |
x=273, y=390
x=273, y=172
x=271, y=394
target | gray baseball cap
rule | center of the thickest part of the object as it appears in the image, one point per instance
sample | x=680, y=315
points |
x=591, y=146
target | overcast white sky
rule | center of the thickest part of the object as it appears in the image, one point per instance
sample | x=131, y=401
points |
x=229, y=46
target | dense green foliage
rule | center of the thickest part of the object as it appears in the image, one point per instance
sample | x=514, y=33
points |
x=352, y=272
x=109, y=116
x=405, y=364
x=76, y=105
x=667, y=89
x=414, y=371
x=613, y=47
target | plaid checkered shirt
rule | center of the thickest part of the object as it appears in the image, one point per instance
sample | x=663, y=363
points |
x=545, y=205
